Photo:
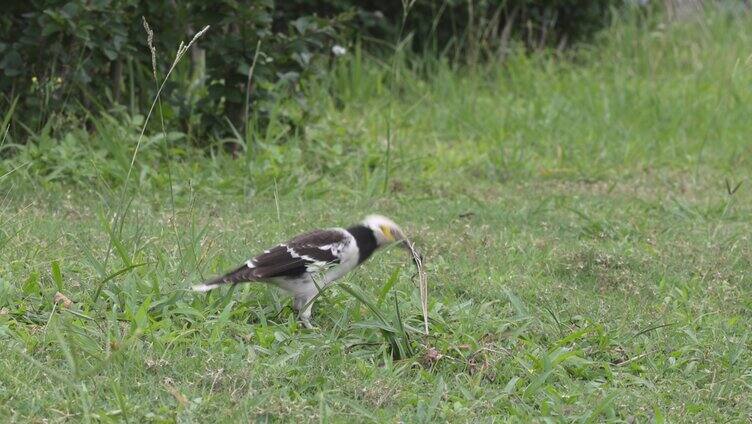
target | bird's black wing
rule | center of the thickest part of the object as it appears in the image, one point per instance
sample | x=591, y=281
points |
x=305, y=253
x=310, y=252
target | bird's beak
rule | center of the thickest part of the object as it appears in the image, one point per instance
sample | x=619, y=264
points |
x=396, y=235
x=392, y=234
x=399, y=237
x=387, y=230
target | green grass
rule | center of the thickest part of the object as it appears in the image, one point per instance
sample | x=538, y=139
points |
x=586, y=259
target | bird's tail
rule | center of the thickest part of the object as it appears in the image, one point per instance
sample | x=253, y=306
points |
x=240, y=275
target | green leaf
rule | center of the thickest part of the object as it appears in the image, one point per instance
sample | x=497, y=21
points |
x=517, y=304
x=141, y=319
x=406, y=350
x=57, y=276
x=12, y=64
x=111, y=54
x=511, y=385
x=658, y=417
x=31, y=285
x=101, y=284
x=361, y=297
x=388, y=285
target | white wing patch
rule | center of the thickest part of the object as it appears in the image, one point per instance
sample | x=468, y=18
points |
x=317, y=265
x=292, y=252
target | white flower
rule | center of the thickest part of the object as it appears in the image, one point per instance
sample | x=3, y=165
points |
x=338, y=50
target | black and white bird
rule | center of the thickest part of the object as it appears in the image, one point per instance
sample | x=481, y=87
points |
x=311, y=261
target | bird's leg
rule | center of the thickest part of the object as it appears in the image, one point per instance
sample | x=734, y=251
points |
x=297, y=303
x=306, y=321
x=303, y=304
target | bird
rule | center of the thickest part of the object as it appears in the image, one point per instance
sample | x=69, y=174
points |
x=309, y=262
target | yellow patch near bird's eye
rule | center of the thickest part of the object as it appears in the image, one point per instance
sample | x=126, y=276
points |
x=387, y=232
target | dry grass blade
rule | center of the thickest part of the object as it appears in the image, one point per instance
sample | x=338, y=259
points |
x=169, y=385
x=422, y=282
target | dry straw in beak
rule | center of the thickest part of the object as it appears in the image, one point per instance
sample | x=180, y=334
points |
x=422, y=281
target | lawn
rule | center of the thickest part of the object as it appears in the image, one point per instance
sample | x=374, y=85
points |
x=585, y=222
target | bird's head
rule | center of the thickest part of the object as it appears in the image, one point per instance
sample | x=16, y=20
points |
x=385, y=230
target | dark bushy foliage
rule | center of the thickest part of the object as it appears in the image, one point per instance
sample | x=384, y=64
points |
x=67, y=59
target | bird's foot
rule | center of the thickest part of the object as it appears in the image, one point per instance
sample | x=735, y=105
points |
x=306, y=321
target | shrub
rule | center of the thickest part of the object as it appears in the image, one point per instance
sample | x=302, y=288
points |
x=62, y=59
